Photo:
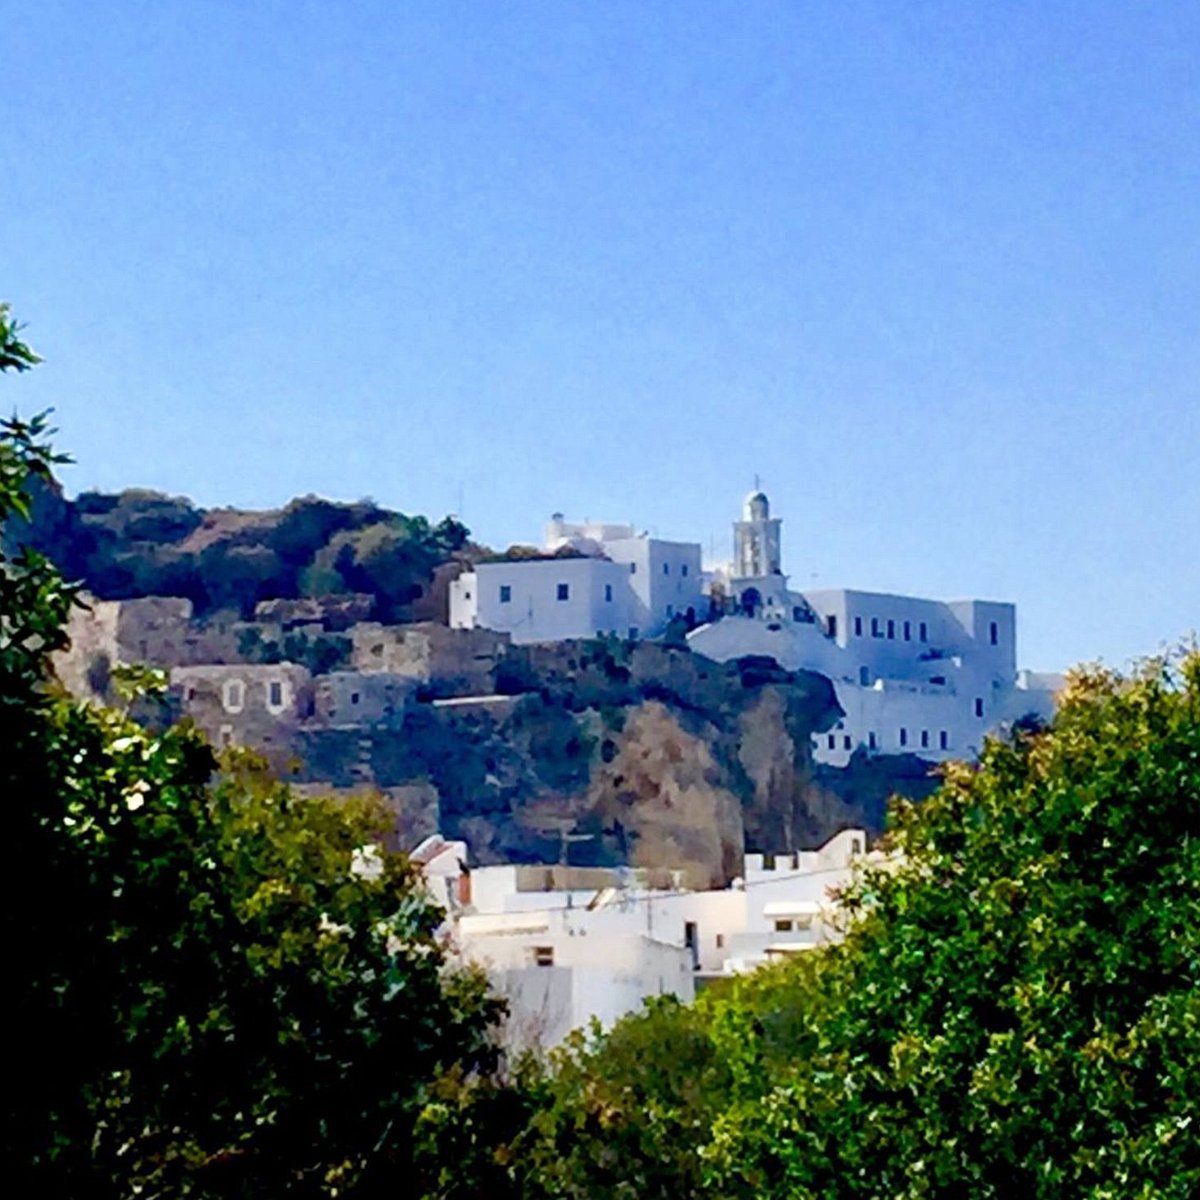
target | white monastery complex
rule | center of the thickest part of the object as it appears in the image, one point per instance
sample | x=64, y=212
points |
x=917, y=676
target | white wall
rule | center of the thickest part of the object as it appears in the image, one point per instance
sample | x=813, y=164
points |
x=598, y=599
x=912, y=675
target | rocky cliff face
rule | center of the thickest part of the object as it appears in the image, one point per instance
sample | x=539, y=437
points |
x=609, y=753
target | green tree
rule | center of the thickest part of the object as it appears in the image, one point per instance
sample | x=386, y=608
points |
x=1015, y=1010
x=220, y=989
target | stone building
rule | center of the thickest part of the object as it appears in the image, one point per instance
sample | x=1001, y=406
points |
x=246, y=704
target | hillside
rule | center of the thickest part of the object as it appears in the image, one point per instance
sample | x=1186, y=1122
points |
x=140, y=542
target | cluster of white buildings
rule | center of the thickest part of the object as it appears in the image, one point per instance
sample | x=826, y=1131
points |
x=916, y=676
x=564, y=945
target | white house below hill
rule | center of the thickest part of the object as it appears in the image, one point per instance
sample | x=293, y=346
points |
x=566, y=944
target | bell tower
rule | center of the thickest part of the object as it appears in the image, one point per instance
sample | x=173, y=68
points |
x=756, y=539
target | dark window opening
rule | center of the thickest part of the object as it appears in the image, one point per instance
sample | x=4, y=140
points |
x=564, y=591
x=891, y=631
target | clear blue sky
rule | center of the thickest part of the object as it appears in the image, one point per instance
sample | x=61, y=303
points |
x=932, y=270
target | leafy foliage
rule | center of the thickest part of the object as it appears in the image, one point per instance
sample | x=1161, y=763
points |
x=1015, y=1010
x=221, y=990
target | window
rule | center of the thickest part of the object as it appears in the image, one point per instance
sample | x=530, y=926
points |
x=353, y=697
x=923, y=632
x=940, y=680
x=608, y=593
x=979, y=706
x=833, y=741
x=924, y=739
x=564, y=591
x=720, y=941
x=875, y=630
x=683, y=570
x=783, y=926
x=858, y=626
x=275, y=694
x=670, y=611
x=226, y=735
x=543, y=956
x=633, y=633
x=908, y=631
x=505, y=593
x=944, y=740
x=871, y=741
x=633, y=568
x=831, y=625
x=864, y=676
x=903, y=736
x=233, y=695
x=666, y=568
x=797, y=613
x=466, y=595
x=995, y=634
x=891, y=631
x=846, y=743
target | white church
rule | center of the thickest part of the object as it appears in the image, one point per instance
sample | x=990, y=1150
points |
x=916, y=676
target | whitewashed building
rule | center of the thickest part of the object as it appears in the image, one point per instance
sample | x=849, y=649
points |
x=912, y=675
x=617, y=581
x=564, y=945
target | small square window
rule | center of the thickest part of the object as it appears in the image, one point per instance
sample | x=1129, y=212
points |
x=543, y=956
x=875, y=629
x=924, y=739
x=923, y=631
x=783, y=926
x=864, y=676
x=505, y=593
x=353, y=697
x=683, y=569
x=633, y=568
x=858, y=626
x=944, y=740
x=720, y=941
x=564, y=591
x=903, y=737
x=846, y=743
x=666, y=568
x=872, y=741
x=833, y=741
